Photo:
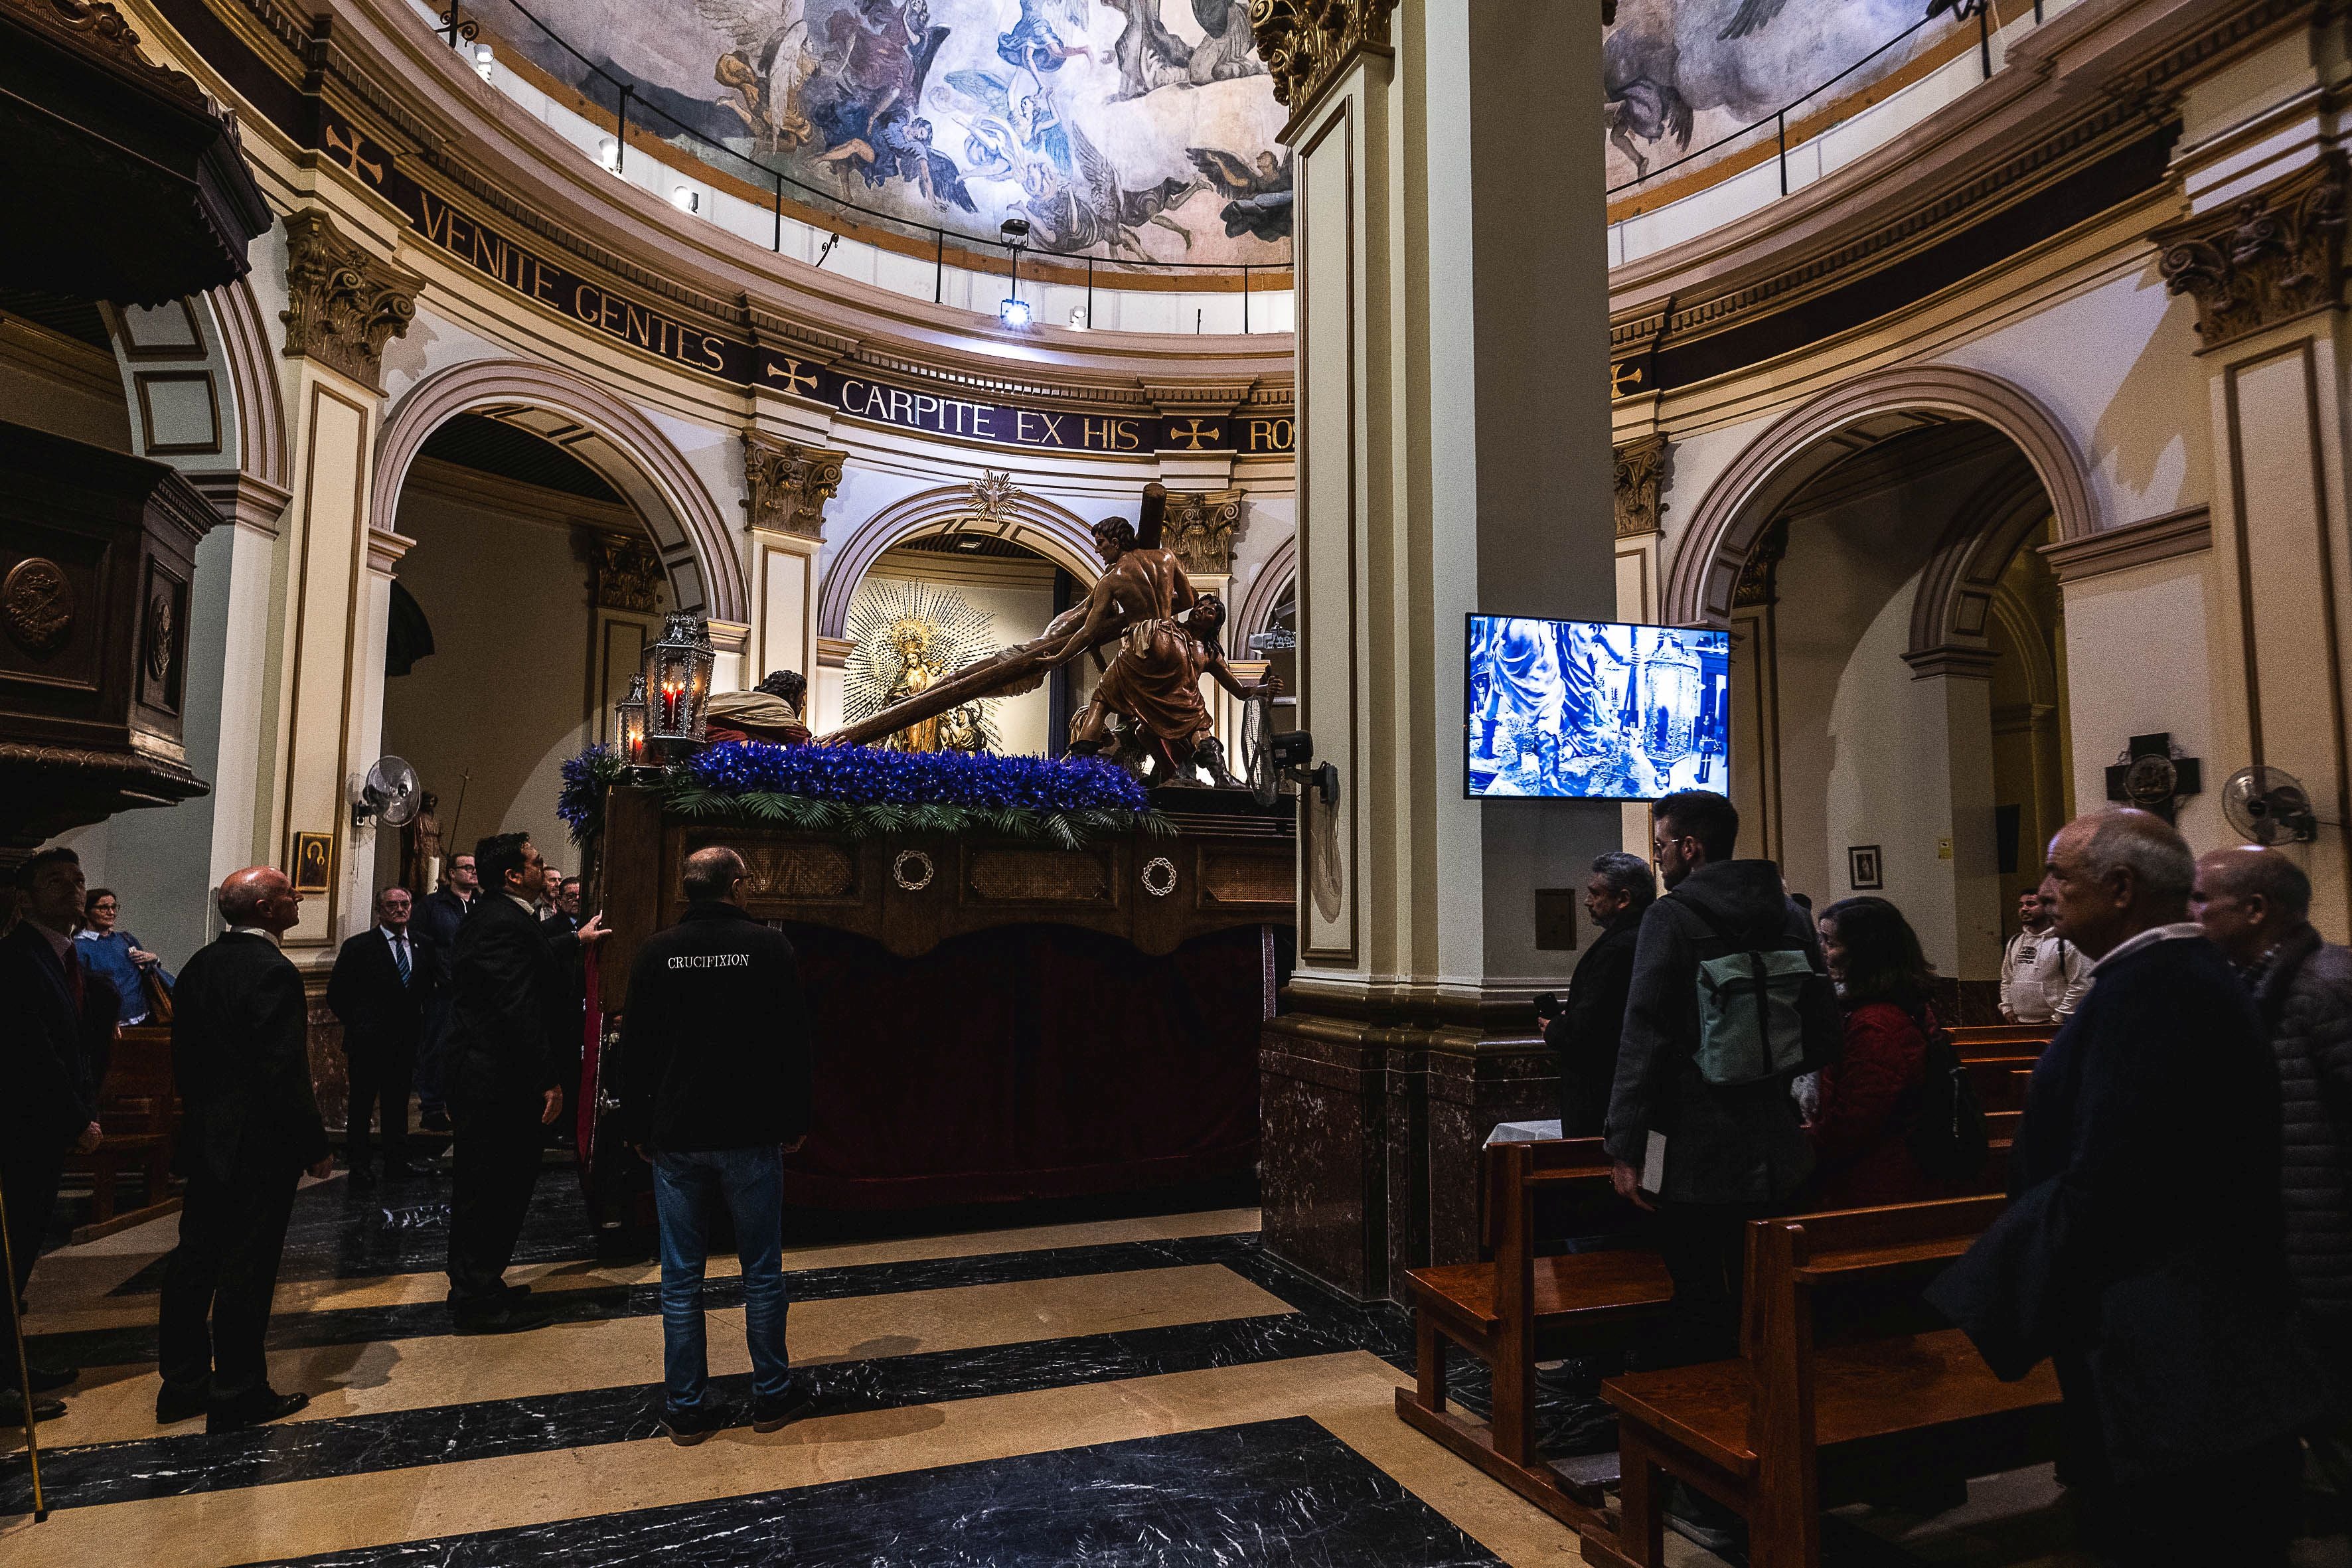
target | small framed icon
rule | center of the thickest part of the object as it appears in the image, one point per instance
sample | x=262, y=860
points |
x=1865, y=872
x=314, y=861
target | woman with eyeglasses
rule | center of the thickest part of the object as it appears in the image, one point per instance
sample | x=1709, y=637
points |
x=115, y=956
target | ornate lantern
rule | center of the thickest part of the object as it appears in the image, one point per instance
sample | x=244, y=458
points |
x=629, y=723
x=678, y=684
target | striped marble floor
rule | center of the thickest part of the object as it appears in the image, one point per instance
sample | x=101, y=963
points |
x=1130, y=1391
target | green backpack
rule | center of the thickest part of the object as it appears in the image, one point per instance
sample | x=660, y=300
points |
x=1751, y=1013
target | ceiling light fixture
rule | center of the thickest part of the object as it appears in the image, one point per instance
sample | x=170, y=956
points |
x=686, y=199
x=1014, y=311
x=483, y=60
x=608, y=153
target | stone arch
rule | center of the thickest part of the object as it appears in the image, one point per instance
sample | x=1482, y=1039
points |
x=1743, y=501
x=619, y=443
x=253, y=376
x=201, y=391
x=1953, y=603
x=1265, y=589
x=1059, y=534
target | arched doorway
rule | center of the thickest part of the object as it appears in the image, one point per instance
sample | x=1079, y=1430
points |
x=1899, y=722
x=551, y=526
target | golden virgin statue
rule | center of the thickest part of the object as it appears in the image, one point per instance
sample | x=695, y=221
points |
x=919, y=664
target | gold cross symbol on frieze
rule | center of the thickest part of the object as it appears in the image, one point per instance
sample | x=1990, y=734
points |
x=794, y=378
x=1193, y=435
x=348, y=144
x=1623, y=376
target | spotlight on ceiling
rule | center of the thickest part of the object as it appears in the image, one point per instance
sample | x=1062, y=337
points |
x=1079, y=322
x=608, y=153
x=686, y=199
x=1013, y=313
x=483, y=60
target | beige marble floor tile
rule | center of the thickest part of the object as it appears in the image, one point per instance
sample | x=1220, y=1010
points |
x=117, y=1404
x=69, y=1288
x=1345, y=1391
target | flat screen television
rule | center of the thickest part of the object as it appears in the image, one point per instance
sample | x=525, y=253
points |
x=1595, y=709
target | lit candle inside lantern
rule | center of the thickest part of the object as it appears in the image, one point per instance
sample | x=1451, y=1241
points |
x=672, y=692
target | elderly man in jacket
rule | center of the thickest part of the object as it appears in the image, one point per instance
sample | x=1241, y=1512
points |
x=2145, y=1255
x=2255, y=904
x=249, y=1127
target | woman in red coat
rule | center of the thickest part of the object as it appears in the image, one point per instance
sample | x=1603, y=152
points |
x=1868, y=1095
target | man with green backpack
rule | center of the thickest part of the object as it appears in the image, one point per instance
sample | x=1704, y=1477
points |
x=1730, y=1001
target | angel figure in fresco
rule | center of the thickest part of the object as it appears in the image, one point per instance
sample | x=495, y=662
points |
x=1034, y=44
x=1149, y=56
x=1008, y=132
x=875, y=57
x=1230, y=50
x=763, y=73
x=1071, y=217
x=1257, y=199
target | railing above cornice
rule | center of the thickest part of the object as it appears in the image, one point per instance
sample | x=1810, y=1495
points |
x=370, y=68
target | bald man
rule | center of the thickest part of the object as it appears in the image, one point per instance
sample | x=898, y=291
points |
x=249, y=1127
x=2145, y=1255
x=2255, y=904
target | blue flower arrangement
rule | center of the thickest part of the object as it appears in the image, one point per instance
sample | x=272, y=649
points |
x=861, y=791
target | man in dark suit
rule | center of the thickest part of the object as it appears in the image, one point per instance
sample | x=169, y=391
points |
x=249, y=1127
x=1584, y=1032
x=437, y=918
x=509, y=1007
x=561, y=919
x=2146, y=1254
x=382, y=980
x=48, y=1106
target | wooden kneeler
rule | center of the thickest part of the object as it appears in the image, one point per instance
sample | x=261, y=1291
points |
x=1498, y=1312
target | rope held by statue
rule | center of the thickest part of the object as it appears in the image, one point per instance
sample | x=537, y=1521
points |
x=1113, y=605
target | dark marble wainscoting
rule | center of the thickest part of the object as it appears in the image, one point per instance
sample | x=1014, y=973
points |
x=1273, y=1494
x=1370, y=1131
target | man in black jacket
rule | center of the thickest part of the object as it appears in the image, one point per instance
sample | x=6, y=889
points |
x=2144, y=1253
x=248, y=1127
x=1709, y=1157
x=382, y=980
x=509, y=1009
x=2255, y=904
x=1584, y=1032
x=48, y=1106
x=716, y=1074
x=439, y=916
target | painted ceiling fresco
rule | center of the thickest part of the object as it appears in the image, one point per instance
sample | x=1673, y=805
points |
x=1122, y=129
x=1681, y=75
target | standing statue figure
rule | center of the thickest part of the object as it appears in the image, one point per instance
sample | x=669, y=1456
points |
x=420, y=847
x=917, y=668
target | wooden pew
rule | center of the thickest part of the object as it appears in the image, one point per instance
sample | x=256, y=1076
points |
x=1976, y=1040
x=1800, y=1423
x=139, y=1109
x=1503, y=1312
x=2000, y=1080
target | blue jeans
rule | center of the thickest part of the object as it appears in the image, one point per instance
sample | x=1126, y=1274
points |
x=751, y=1180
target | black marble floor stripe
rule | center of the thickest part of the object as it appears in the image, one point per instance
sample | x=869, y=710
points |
x=1321, y=1324
x=1272, y=1494
x=136, y=1344
x=403, y=1227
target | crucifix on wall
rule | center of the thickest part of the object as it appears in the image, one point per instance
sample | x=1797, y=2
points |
x=2155, y=775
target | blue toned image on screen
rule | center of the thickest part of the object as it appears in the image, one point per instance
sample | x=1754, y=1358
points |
x=1596, y=711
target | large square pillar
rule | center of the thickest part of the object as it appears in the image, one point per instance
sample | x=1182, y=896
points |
x=1453, y=457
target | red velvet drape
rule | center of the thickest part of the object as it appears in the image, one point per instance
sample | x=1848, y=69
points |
x=1029, y=1061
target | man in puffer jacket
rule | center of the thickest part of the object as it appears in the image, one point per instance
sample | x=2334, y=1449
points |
x=2254, y=904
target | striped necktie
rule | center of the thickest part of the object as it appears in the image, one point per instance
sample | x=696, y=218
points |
x=400, y=959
